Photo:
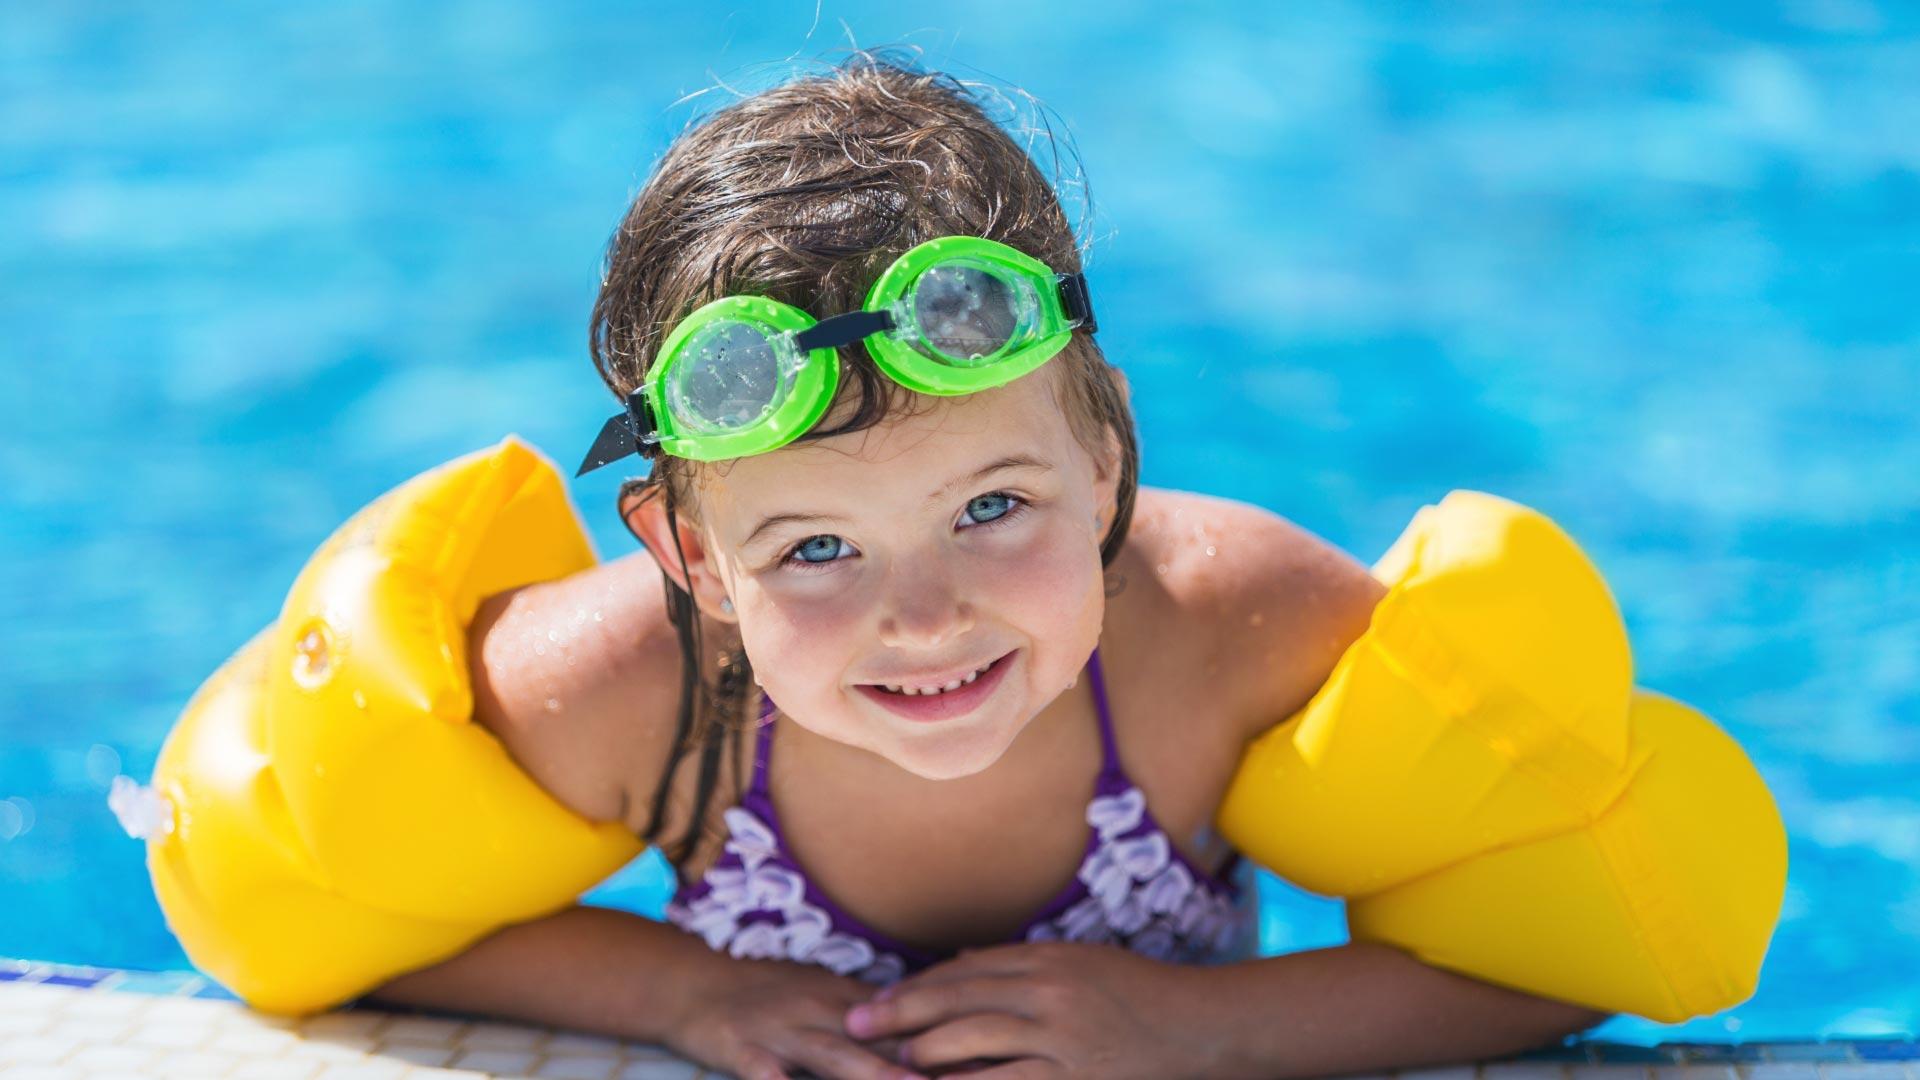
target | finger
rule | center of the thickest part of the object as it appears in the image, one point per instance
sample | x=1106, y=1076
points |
x=985, y=1035
x=1016, y=958
x=1023, y=1069
x=753, y=1063
x=833, y=1055
x=924, y=1006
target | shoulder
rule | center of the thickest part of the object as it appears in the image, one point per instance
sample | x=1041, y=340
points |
x=579, y=678
x=1271, y=605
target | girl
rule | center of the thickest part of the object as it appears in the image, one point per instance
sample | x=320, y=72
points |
x=933, y=703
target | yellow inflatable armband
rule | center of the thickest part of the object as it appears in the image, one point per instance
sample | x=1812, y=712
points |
x=1483, y=783
x=337, y=818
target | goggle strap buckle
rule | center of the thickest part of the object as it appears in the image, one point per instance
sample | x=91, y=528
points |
x=1077, y=303
x=633, y=431
x=832, y=333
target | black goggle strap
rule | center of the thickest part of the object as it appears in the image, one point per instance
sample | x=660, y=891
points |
x=1077, y=303
x=624, y=433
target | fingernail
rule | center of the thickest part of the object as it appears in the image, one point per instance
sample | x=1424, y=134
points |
x=859, y=1020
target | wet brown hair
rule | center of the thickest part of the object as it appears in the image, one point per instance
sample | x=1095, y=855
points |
x=804, y=193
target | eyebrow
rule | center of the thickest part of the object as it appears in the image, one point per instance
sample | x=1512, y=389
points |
x=1016, y=461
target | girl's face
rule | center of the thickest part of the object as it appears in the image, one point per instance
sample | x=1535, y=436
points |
x=922, y=588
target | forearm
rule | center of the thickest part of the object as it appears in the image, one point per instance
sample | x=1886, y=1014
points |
x=1362, y=1007
x=585, y=968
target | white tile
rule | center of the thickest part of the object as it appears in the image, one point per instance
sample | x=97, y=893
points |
x=103, y=1058
x=35, y=1072
x=254, y=1018
x=252, y=1041
x=423, y=1030
x=485, y=1035
x=193, y=1064
x=658, y=1070
x=104, y=1004
x=164, y=1036
x=90, y=1030
x=497, y=1061
x=574, y=1042
x=577, y=1067
x=275, y=1069
x=345, y=1023
x=40, y=1049
x=371, y=1069
x=15, y=995
x=13, y=1025
x=190, y=1010
x=335, y=1049
x=434, y=1056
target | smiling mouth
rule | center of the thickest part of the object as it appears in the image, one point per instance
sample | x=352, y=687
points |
x=957, y=696
x=945, y=688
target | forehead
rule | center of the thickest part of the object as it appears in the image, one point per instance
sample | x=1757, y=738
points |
x=910, y=452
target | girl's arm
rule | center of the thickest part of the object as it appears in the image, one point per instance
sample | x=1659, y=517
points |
x=1365, y=1006
x=586, y=968
x=579, y=678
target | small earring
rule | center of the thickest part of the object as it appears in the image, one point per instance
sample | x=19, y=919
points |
x=726, y=605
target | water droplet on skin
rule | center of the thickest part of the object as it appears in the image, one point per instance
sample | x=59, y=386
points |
x=553, y=704
x=1161, y=568
x=1256, y=619
x=572, y=660
x=553, y=635
x=539, y=650
x=599, y=616
x=1212, y=551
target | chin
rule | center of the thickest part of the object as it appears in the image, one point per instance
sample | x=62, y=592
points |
x=949, y=763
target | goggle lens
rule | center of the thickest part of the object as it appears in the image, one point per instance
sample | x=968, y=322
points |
x=728, y=378
x=968, y=313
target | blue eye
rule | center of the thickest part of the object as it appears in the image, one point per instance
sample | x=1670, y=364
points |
x=818, y=546
x=1001, y=506
x=989, y=502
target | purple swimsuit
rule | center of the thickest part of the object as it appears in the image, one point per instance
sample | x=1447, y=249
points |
x=1133, y=888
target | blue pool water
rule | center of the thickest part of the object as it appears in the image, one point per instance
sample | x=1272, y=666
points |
x=1649, y=272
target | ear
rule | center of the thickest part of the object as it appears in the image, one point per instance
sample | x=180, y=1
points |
x=679, y=546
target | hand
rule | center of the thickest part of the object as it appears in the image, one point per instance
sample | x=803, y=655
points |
x=757, y=1019
x=1047, y=1010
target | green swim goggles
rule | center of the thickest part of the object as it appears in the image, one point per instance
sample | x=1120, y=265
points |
x=745, y=374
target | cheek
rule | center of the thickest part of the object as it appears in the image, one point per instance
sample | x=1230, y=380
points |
x=800, y=639
x=1053, y=589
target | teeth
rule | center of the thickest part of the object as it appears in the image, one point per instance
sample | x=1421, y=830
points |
x=929, y=691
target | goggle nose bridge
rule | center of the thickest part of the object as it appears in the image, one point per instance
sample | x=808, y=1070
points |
x=841, y=330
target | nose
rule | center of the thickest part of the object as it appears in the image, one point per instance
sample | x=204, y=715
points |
x=924, y=609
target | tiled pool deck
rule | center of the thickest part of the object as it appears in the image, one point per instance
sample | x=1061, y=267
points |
x=103, y=1024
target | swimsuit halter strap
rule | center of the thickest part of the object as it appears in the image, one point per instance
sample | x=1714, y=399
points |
x=1109, y=749
x=762, y=747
